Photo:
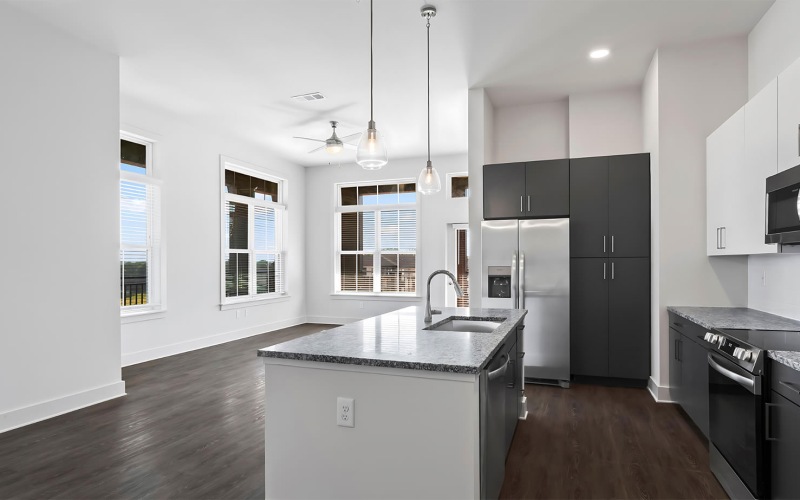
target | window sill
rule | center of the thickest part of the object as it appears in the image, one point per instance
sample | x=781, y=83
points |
x=137, y=316
x=376, y=296
x=239, y=304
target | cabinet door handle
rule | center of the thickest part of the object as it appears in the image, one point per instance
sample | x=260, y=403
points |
x=604, y=243
x=612, y=270
x=767, y=422
x=612, y=243
x=718, y=238
x=604, y=271
x=529, y=203
x=790, y=386
x=520, y=203
x=723, y=231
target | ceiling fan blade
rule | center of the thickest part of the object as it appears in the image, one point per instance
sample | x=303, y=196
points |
x=351, y=136
x=308, y=139
x=350, y=146
x=317, y=149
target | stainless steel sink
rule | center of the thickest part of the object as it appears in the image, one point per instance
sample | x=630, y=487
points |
x=466, y=325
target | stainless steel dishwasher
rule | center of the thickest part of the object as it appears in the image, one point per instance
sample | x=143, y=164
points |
x=493, y=422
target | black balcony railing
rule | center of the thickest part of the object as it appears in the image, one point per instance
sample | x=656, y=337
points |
x=133, y=291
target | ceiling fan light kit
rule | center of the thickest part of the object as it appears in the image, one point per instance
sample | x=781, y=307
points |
x=429, y=181
x=371, y=153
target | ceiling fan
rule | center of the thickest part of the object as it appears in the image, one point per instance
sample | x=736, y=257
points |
x=333, y=144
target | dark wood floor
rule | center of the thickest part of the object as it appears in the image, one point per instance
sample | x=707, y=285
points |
x=191, y=426
x=606, y=442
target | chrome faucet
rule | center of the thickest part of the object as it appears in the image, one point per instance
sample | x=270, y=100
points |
x=428, y=311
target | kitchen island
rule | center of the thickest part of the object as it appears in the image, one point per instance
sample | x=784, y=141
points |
x=433, y=409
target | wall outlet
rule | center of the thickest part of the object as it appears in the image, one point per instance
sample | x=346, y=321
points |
x=345, y=412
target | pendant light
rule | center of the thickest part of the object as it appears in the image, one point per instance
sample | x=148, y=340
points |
x=429, y=182
x=371, y=154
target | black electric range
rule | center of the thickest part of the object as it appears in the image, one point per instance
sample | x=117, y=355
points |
x=738, y=382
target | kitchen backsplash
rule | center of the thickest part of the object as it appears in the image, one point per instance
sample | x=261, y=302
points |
x=773, y=283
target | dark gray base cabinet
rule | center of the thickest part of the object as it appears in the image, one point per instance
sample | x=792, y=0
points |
x=610, y=318
x=688, y=370
x=535, y=189
x=783, y=431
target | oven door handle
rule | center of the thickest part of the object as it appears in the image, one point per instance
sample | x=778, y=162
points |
x=748, y=382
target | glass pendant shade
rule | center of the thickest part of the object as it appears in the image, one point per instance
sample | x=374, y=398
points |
x=371, y=154
x=429, y=181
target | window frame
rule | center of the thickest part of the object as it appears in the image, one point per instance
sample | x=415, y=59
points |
x=156, y=264
x=450, y=185
x=336, y=291
x=281, y=232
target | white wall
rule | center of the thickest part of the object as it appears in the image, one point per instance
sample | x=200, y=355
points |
x=531, y=132
x=60, y=334
x=650, y=144
x=773, y=44
x=605, y=123
x=187, y=159
x=435, y=213
x=481, y=124
x=699, y=86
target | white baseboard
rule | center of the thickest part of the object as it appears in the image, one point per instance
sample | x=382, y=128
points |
x=331, y=320
x=27, y=415
x=659, y=392
x=132, y=358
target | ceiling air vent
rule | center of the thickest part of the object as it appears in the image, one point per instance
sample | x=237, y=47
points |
x=313, y=96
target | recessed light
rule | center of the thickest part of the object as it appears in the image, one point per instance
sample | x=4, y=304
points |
x=599, y=53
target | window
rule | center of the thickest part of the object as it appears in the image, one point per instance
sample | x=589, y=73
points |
x=253, y=223
x=458, y=185
x=462, y=263
x=376, y=242
x=140, y=228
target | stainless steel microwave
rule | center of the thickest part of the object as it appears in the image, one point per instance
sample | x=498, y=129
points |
x=783, y=207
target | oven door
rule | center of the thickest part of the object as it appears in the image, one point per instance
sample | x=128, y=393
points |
x=736, y=418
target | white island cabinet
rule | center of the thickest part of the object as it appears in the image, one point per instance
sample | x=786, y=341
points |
x=386, y=408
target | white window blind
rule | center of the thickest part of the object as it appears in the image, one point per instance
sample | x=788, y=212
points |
x=140, y=244
x=253, y=251
x=376, y=239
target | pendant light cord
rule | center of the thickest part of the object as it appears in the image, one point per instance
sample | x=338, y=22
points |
x=428, y=26
x=370, y=63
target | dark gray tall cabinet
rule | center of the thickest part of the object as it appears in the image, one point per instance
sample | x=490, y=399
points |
x=610, y=266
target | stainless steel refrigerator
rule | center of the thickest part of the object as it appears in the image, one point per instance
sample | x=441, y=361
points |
x=525, y=265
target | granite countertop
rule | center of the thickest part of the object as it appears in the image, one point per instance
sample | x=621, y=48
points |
x=397, y=340
x=742, y=318
x=735, y=318
x=788, y=358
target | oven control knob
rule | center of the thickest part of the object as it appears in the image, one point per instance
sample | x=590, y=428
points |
x=707, y=336
x=737, y=352
x=714, y=338
x=747, y=356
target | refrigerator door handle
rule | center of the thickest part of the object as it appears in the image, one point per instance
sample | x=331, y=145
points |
x=514, y=278
x=522, y=280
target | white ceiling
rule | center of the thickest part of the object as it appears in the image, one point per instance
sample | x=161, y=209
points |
x=239, y=61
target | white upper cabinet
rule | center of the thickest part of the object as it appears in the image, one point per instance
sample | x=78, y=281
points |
x=761, y=161
x=740, y=155
x=724, y=164
x=789, y=117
